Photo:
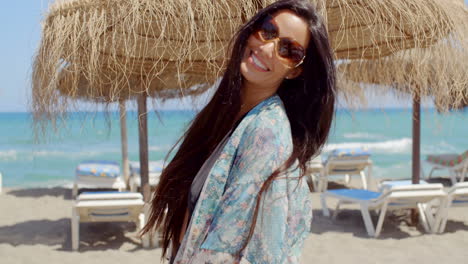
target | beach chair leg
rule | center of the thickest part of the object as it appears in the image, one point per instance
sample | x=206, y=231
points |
x=145, y=238
x=383, y=212
x=436, y=214
x=75, y=190
x=75, y=229
x=453, y=177
x=425, y=219
x=430, y=173
x=323, y=177
x=427, y=210
x=422, y=175
x=442, y=216
x=321, y=183
x=324, y=184
x=347, y=178
x=364, y=180
x=323, y=198
x=462, y=177
x=316, y=182
x=443, y=223
x=131, y=183
x=311, y=182
x=367, y=220
x=337, y=209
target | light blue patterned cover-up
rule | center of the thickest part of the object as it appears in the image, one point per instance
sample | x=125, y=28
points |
x=98, y=169
x=223, y=214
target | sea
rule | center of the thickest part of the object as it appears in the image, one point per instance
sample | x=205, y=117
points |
x=50, y=160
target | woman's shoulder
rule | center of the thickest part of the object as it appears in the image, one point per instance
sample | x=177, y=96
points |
x=270, y=125
x=271, y=114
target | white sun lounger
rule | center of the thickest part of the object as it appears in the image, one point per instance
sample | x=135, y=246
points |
x=347, y=162
x=457, y=196
x=107, y=207
x=398, y=197
x=457, y=165
x=98, y=174
x=314, y=174
x=155, y=169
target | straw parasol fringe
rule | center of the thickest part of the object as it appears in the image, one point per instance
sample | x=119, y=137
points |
x=444, y=78
x=114, y=50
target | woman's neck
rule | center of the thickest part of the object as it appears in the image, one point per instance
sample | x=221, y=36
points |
x=251, y=95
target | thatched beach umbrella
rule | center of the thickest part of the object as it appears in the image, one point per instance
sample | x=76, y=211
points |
x=135, y=49
x=109, y=42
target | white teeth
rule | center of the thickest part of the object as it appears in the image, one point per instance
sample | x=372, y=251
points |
x=258, y=63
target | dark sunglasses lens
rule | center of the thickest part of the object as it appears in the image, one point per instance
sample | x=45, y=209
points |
x=268, y=30
x=290, y=50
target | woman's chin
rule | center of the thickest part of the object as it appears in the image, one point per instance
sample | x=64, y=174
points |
x=250, y=74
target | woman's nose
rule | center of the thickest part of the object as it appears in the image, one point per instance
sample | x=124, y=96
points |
x=268, y=48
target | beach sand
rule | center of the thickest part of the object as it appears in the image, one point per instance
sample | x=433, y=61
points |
x=35, y=228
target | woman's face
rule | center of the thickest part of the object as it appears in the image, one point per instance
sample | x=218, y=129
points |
x=261, y=64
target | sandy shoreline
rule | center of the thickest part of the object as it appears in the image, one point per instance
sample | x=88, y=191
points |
x=35, y=228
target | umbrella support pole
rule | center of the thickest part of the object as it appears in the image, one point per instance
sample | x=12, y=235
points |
x=143, y=142
x=124, y=141
x=416, y=164
x=416, y=159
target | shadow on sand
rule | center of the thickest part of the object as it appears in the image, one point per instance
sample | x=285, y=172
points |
x=64, y=193
x=396, y=224
x=93, y=236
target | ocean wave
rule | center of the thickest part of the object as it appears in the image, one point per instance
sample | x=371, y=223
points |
x=29, y=155
x=402, y=145
x=70, y=154
x=159, y=148
x=440, y=148
x=8, y=155
x=363, y=135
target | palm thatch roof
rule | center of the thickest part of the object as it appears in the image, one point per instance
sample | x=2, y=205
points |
x=109, y=50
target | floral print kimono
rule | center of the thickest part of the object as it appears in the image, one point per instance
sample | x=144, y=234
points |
x=223, y=214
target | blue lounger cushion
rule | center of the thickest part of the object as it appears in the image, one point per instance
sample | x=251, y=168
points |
x=349, y=152
x=358, y=194
x=98, y=169
x=154, y=167
x=346, y=153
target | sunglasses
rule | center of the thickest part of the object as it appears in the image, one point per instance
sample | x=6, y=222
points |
x=287, y=49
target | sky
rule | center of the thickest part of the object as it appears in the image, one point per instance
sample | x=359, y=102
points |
x=20, y=29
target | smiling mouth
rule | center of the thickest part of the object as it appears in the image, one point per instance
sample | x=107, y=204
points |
x=257, y=62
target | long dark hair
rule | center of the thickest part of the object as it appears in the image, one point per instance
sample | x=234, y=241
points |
x=308, y=99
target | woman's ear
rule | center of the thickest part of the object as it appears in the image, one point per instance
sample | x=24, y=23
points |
x=293, y=73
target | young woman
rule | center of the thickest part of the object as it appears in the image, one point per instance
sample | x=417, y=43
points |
x=234, y=192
